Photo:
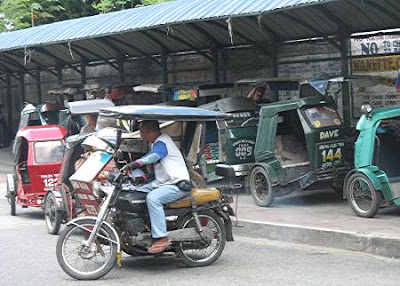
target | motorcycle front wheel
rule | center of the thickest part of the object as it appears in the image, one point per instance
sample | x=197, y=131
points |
x=86, y=263
x=202, y=253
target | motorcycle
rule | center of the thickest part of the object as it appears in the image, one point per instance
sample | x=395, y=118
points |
x=198, y=225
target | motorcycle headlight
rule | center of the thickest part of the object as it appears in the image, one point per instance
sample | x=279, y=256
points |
x=96, y=189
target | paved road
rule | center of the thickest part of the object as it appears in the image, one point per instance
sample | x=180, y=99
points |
x=27, y=257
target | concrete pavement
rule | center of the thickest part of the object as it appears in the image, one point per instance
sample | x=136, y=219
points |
x=319, y=218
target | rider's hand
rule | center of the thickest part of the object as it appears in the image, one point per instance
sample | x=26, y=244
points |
x=133, y=165
x=138, y=180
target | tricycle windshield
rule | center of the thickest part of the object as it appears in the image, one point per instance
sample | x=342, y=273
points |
x=322, y=116
x=48, y=151
x=241, y=119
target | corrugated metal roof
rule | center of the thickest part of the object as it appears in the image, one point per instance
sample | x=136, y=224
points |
x=190, y=25
x=179, y=11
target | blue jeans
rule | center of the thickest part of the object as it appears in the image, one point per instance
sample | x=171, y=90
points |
x=155, y=200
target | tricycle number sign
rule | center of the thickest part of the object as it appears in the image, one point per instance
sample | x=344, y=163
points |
x=49, y=181
x=330, y=154
x=243, y=149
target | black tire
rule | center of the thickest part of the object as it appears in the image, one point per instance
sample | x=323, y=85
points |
x=53, y=216
x=187, y=251
x=362, y=196
x=11, y=197
x=72, y=271
x=261, y=187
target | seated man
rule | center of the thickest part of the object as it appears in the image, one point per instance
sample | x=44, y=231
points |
x=90, y=126
x=169, y=170
x=257, y=95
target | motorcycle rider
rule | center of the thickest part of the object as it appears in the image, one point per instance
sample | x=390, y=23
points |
x=169, y=170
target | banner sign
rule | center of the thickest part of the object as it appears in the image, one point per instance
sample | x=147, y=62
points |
x=185, y=94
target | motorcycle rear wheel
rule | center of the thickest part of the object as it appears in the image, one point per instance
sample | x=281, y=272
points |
x=76, y=261
x=194, y=254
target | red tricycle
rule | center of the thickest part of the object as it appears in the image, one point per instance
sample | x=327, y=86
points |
x=38, y=155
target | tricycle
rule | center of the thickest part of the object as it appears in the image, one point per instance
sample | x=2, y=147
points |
x=38, y=155
x=375, y=180
x=198, y=224
x=299, y=144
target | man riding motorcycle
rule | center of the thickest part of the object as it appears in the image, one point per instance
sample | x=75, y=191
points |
x=169, y=170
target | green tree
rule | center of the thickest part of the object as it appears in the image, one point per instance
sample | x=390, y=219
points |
x=18, y=14
x=105, y=6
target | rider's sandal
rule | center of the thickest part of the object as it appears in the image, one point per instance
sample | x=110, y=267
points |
x=158, y=248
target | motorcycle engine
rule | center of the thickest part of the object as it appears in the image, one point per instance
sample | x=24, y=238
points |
x=132, y=224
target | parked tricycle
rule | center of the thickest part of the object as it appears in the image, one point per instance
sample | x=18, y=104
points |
x=60, y=204
x=299, y=143
x=375, y=179
x=38, y=155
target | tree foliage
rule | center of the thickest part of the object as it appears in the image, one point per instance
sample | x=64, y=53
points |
x=19, y=14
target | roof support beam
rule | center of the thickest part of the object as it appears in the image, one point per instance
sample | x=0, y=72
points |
x=13, y=62
x=122, y=42
x=9, y=105
x=264, y=28
x=162, y=46
x=205, y=33
x=389, y=13
x=84, y=59
x=246, y=38
x=186, y=43
x=7, y=70
x=47, y=53
x=308, y=26
x=119, y=53
x=43, y=67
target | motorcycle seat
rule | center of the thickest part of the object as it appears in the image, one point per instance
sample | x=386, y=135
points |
x=200, y=196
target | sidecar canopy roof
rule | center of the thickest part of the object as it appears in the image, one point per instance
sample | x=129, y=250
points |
x=167, y=113
x=83, y=107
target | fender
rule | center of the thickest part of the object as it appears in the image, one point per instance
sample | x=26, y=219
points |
x=380, y=181
x=76, y=221
x=227, y=223
x=59, y=199
x=270, y=171
x=11, y=183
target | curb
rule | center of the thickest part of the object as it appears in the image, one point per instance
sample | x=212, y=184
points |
x=353, y=241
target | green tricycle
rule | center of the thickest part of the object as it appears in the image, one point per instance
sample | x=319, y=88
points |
x=375, y=180
x=299, y=144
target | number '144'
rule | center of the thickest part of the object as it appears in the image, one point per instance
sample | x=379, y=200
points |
x=329, y=155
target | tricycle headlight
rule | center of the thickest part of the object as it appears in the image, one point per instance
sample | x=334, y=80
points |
x=96, y=189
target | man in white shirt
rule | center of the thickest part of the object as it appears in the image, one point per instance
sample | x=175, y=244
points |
x=169, y=169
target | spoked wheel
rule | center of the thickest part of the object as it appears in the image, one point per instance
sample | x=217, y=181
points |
x=260, y=187
x=202, y=253
x=86, y=263
x=53, y=217
x=362, y=196
x=11, y=194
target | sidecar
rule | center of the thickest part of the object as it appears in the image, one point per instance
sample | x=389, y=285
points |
x=375, y=180
x=60, y=204
x=38, y=155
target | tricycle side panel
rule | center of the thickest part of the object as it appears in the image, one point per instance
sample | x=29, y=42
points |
x=266, y=134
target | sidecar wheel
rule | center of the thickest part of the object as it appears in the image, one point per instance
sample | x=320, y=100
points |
x=86, y=264
x=53, y=216
x=261, y=187
x=198, y=253
x=362, y=196
x=11, y=196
